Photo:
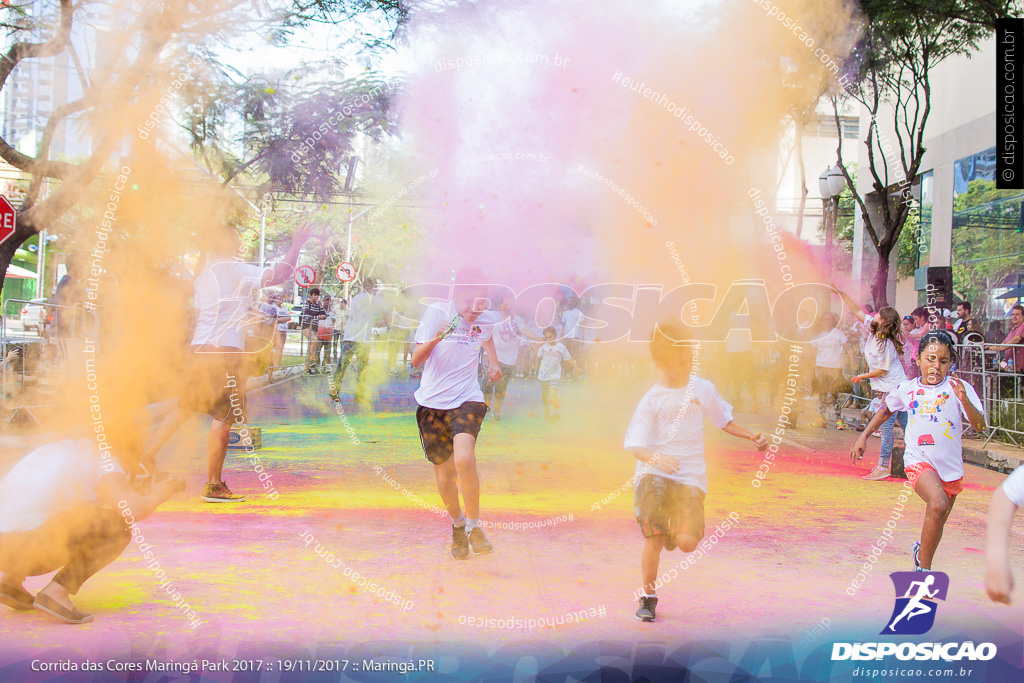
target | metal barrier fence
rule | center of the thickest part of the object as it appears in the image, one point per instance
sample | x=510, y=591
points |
x=31, y=381
x=997, y=374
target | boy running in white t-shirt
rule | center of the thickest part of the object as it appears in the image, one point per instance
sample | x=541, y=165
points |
x=934, y=457
x=551, y=354
x=666, y=436
x=451, y=403
x=1005, y=502
x=507, y=337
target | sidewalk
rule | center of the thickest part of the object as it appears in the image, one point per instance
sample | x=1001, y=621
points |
x=827, y=442
x=1002, y=457
x=14, y=446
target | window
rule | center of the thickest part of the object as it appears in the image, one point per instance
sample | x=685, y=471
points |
x=987, y=235
x=827, y=126
x=924, y=237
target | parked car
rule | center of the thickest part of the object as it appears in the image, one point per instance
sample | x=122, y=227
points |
x=293, y=322
x=33, y=315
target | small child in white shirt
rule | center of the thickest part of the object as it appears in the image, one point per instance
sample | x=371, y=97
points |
x=666, y=436
x=551, y=354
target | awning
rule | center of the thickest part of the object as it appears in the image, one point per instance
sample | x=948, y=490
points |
x=14, y=271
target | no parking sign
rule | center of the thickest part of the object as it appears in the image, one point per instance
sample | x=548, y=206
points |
x=346, y=272
x=305, y=276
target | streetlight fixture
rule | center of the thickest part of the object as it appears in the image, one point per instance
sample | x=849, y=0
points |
x=831, y=183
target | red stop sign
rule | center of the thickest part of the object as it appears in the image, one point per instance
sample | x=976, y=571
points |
x=8, y=215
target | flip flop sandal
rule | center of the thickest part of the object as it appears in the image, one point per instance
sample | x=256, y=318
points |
x=46, y=604
x=15, y=597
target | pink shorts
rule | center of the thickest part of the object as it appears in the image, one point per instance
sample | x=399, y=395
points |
x=952, y=488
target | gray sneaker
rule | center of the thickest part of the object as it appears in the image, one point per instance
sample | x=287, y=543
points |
x=460, y=544
x=480, y=544
x=647, y=607
x=915, y=551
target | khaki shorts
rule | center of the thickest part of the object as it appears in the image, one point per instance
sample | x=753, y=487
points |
x=663, y=506
x=215, y=383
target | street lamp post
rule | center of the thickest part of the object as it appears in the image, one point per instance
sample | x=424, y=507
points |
x=831, y=183
x=348, y=248
x=41, y=265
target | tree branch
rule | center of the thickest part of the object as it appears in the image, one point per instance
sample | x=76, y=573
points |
x=18, y=52
x=846, y=174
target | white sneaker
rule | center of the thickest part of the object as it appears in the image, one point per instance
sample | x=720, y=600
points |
x=877, y=474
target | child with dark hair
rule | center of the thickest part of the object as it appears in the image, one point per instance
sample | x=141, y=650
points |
x=882, y=353
x=921, y=319
x=908, y=357
x=312, y=313
x=666, y=436
x=934, y=456
x=551, y=354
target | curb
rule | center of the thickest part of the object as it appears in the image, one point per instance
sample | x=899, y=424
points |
x=153, y=413
x=993, y=460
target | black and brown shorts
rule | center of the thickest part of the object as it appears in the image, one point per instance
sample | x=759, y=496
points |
x=439, y=427
x=664, y=506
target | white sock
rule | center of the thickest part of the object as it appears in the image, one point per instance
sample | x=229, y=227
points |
x=472, y=524
x=652, y=595
x=458, y=521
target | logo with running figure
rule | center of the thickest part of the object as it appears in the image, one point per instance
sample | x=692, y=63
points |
x=916, y=593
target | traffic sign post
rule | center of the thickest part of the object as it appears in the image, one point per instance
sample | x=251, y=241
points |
x=8, y=219
x=305, y=276
x=346, y=272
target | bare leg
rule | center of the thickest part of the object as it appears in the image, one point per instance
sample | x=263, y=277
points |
x=170, y=424
x=686, y=543
x=58, y=593
x=499, y=398
x=217, y=448
x=465, y=464
x=277, y=355
x=392, y=354
x=448, y=487
x=11, y=579
x=929, y=487
x=649, y=561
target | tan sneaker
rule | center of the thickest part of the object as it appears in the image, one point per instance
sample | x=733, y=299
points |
x=220, y=493
x=479, y=542
x=877, y=474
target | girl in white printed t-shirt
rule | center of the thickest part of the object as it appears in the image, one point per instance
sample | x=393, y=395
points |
x=882, y=354
x=934, y=457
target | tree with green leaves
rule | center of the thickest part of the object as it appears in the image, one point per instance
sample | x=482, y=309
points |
x=159, y=37
x=890, y=74
x=987, y=239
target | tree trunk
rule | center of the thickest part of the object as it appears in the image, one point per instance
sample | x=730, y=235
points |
x=7, y=250
x=799, y=144
x=881, y=281
x=22, y=231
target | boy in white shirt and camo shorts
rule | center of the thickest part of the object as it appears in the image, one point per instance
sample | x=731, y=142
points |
x=666, y=436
